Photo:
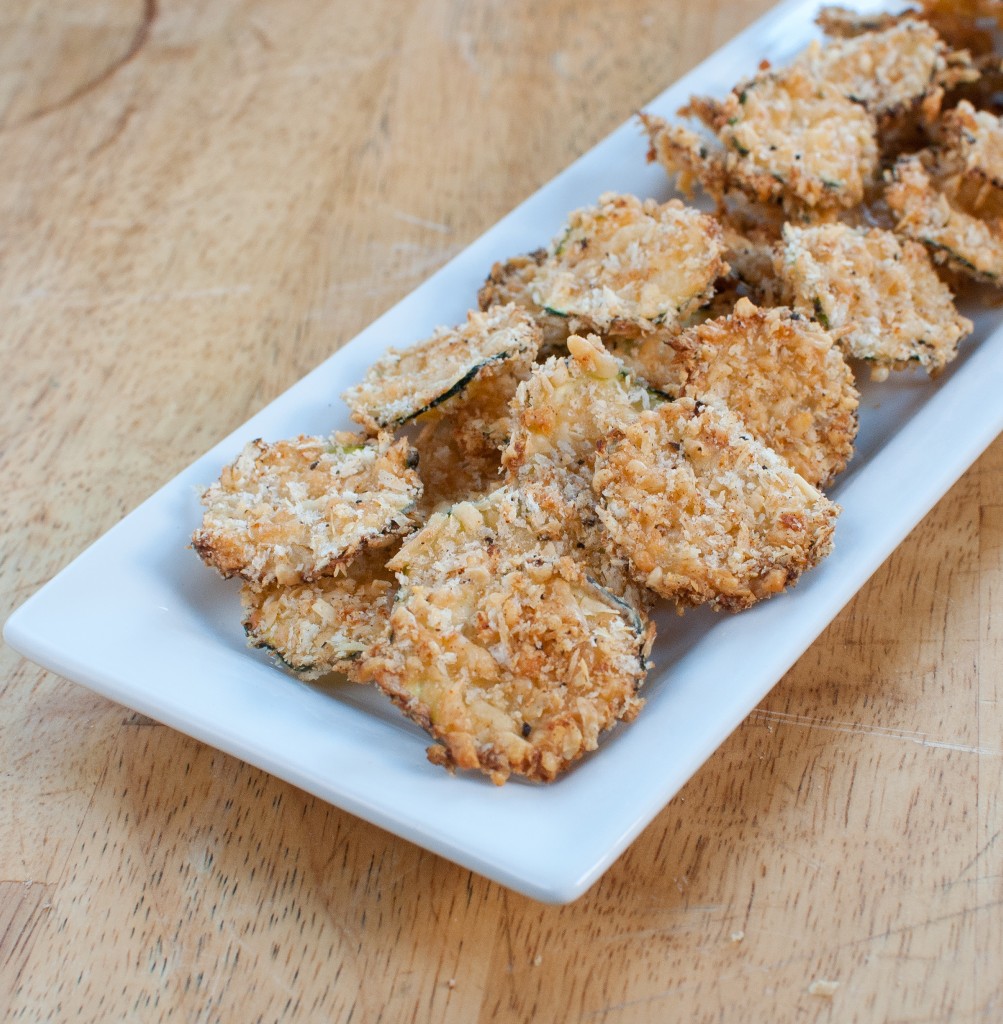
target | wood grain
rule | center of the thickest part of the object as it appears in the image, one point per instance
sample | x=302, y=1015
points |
x=199, y=201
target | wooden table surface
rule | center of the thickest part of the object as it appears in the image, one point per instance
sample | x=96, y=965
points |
x=199, y=201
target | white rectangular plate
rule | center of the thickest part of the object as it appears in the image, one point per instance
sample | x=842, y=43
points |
x=140, y=620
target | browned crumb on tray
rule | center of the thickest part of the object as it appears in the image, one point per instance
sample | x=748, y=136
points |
x=777, y=370
x=292, y=511
x=330, y=625
x=705, y=513
x=454, y=368
x=965, y=243
x=792, y=138
x=879, y=295
x=504, y=648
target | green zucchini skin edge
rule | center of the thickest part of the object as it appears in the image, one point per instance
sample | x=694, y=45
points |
x=453, y=389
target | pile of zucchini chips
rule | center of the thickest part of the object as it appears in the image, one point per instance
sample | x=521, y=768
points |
x=648, y=408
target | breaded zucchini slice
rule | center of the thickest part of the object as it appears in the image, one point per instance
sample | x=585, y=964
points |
x=330, y=625
x=511, y=282
x=780, y=372
x=560, y=415
x=504, y=648
x=688, y=158
x=845, y=22
x=958, y=240
x=292, y=511
x=971, y=145
x=889, y=71
x=795, y=139
x=705, y=513
x=455, y=368
x=628, y=265
x=880, y=296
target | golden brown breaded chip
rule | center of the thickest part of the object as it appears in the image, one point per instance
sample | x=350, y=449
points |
x=503, y=648
x=454, y=369
x=688, y=158
x=512, y=281
x=845, y=22
x=293, y=511
x=958, y=240
x=628, y=265
x=704, y=512
x=780, y=372
x=890, y=71
x=969, y=155
x=560, y=415
x=880, y=296
x=795, y=139
x=330, y=625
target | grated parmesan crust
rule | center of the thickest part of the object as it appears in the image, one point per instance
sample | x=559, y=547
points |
x=795, y=139
x=956, y=239
x=293, y=511
x=880, y=296
x=455, y=368
x=503, y=648
x=778, y=371
x=330, y=625
x=705, y=513
x=626, y=266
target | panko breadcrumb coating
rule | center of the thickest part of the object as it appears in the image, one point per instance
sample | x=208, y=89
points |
x=560, y=414
x=890, y=71
x=628, y=265
x=468, y=367
x=777, y=370
x=512, y=281
x=292, y=511
x=452, y=466
x=972, y=246
x=796, y=139
x=705, y=513
x=503, y=648
x=968, y=160
x=880, y=296
x=330, y=625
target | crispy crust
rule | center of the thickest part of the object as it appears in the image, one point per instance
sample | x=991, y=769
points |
x=956, y=239
x=512, y=281
x=331, y=625
x=560, y=415
x=797, y=140
x=890, y=71
x=293, y=511
x=971, y=146
x=453, y=465
x=688, y=158
x=705, y=513
x=453, y=369
x=503, y=648
x=626, y=266
x=777, y=370
x=845, y=23
x=880, y=296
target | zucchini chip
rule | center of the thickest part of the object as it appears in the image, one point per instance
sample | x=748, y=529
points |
x=626, y=266
x=890, y=72
x=293, y=511
x=969, y=159
x=794, y=139
x=330, y=625
x=512, y=281
x=458, y=368
x=956, y=239
x=780, y=372
x=504, y=649
x=560, y=415
x=880, y=296
x=705, y=513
